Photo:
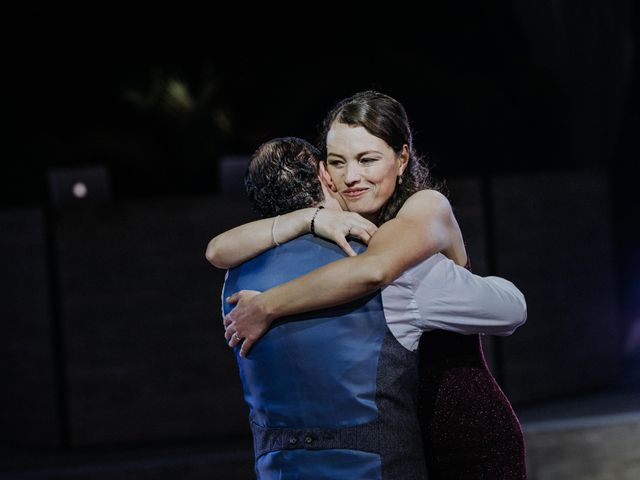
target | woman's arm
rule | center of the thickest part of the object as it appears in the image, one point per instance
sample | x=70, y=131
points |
x=235, y=246
x=242, y=243
x=455, y=250
x=424, y=226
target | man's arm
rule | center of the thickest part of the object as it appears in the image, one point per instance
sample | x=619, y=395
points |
x=452, y=298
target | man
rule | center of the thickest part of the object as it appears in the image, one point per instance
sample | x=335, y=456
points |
x=332, y=393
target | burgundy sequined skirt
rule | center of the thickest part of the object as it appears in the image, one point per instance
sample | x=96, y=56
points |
x=469, y=428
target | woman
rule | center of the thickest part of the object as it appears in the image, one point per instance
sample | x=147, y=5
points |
x=469, y=428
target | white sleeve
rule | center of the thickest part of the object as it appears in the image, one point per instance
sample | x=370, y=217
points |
x=450, y=297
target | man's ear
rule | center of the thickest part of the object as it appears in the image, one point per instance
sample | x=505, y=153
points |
x=325, y=178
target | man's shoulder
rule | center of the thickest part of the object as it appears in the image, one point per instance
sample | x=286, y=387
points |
x=283, y=263
x=307, y=252
x=311, y=244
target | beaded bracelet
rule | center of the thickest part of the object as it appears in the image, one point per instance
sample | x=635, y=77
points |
x=312, y=229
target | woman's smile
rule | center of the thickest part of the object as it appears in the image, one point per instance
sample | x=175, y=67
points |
x=354, y=193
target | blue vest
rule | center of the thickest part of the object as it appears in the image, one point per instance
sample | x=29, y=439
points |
x=330, y=393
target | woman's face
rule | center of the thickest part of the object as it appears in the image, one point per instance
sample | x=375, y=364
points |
x=363, y=167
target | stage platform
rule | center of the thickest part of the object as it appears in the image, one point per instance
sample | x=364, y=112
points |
x=593, y=437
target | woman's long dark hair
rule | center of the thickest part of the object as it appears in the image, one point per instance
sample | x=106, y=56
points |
x=385, y=118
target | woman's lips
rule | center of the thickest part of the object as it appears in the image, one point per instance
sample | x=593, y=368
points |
x=353, y=193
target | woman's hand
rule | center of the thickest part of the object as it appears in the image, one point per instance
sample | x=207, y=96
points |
x=336, y=225
x=248, y=320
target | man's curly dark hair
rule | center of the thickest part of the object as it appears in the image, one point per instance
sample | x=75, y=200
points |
x=282, y=176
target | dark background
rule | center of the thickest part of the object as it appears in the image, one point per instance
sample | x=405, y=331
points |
x=529, y=110
x=490, y=87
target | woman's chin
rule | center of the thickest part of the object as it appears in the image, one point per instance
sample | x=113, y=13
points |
x=366, y=210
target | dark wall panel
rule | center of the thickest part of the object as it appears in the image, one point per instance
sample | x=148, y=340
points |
x=466, y=197
x=28, y=404
x=146, y=355
x=553, y=240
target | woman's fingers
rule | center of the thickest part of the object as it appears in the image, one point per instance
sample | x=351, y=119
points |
x=229, y=333
x=356, y=220
x=229, y=326
x=361, y=233
x=344, y=245
x=337, y=226
x=233, y=299
x=371, y=228
x=246, y=346
x=233, y=337
x=365, y=224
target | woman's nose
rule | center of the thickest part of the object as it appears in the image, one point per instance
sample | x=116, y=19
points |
x=352, y=175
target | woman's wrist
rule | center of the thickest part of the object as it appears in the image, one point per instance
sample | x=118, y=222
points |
x=267, y=307
x=303, y=219
x=313, y=219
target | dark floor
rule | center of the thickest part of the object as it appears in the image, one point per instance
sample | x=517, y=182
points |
x=197, y=461
x=591, y=437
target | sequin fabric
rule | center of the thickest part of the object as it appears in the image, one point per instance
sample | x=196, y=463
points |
x=469, y=428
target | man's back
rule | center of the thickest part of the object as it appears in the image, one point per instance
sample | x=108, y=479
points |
x=326, y=371
x=331, y=396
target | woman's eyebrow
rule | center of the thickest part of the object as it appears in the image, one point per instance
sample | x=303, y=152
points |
x=361, y=154
x=368, y=152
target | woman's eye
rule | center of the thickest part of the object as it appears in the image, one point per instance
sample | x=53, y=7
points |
x=335, y=163
x=367, y=160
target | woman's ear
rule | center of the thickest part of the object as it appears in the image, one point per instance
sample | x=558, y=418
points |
x=325, y=177
x=403, y=159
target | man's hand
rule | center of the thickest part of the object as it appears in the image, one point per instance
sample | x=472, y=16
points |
x=248, y=320
x=336, y=226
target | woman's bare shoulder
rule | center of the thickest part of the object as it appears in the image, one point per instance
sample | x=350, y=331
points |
x=426, y=201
